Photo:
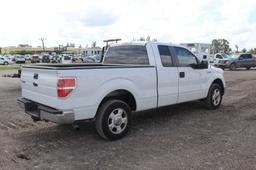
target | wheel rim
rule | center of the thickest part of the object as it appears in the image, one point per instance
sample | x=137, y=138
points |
x=216, y=97
x=117, y=121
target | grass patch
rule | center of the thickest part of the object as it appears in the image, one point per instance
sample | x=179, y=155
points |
x=3, y=68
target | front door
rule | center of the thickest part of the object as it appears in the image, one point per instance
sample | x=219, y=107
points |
x=191, y=80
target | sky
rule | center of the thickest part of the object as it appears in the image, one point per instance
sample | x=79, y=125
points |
x=85, y=21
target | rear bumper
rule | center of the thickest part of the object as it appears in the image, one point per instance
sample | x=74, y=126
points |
x=42, y=112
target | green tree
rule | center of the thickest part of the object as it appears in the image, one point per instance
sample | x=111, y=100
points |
x=141, y=39
x=220, y=46
x=253, y=51
x=148, y=38
x=244, y=50
x=236, y=46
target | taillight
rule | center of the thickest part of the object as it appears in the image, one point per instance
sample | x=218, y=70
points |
x=65, y=86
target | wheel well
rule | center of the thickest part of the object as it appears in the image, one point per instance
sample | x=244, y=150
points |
x=123, y=95
x=219, y=82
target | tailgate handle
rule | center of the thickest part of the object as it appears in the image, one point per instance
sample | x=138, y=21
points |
x=35, y=84
x=35, y=75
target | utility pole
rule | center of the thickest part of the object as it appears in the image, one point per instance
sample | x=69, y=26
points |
x=42, y=39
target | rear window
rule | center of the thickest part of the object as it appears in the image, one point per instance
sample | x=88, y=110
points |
x=130, y=54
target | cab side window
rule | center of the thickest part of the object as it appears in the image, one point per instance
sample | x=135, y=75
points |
x=219, y=56
x=242, y=57
x=185, y=57
x=165, y=55
x=248, y=56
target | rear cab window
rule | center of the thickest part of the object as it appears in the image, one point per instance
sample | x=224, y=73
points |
x=127, y=54
x=165, y=55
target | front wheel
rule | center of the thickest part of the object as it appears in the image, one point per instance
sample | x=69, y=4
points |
x=5, y=63
x=248, y=68
x=113, y=119
x=214, y=97
x=233, y=66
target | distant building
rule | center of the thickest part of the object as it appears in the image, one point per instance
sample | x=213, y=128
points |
x=24, y=46
x=89, y=51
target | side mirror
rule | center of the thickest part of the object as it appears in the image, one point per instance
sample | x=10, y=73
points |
x=205, y=57
x=202, y=65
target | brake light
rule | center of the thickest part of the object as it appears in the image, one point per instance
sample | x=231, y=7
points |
x=65, y=86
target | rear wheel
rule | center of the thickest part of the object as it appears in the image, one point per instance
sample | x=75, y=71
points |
x=5, y=63
x=113, y=119
x=233, y=66
x=214, y=97
x=248, y=68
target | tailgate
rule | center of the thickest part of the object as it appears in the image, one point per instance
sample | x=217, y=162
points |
x=40, y=85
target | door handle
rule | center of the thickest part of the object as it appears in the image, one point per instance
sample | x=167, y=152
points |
x=182, y=74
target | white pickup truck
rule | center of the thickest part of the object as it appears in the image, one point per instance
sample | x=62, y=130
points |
x=133, y=77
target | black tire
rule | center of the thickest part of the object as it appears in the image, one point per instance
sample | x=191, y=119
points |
x=103, y=119
x=5, y=63
x=211, y=103
x=248, y=68
x=233, y=66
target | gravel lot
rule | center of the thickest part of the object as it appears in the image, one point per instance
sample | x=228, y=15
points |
x=184, y=136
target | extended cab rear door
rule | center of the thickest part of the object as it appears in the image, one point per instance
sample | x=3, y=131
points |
x=167, y=73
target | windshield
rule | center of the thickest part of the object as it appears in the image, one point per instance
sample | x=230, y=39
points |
x=225, y=56
x=235, y=56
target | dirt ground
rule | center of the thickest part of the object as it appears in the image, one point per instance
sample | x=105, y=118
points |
x=184, y=136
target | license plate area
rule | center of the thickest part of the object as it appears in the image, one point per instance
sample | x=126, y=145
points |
x=32, y=109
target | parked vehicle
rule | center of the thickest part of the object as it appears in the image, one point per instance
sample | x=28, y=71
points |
x=9, y=58
x=66, y=59
x=4, y=61
x=56, y=59
x=244, y=60
x=19, y=59
x=35, y=59
x=28, y=57
x=46, y=59
x=219, y=56
x=133, y=77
